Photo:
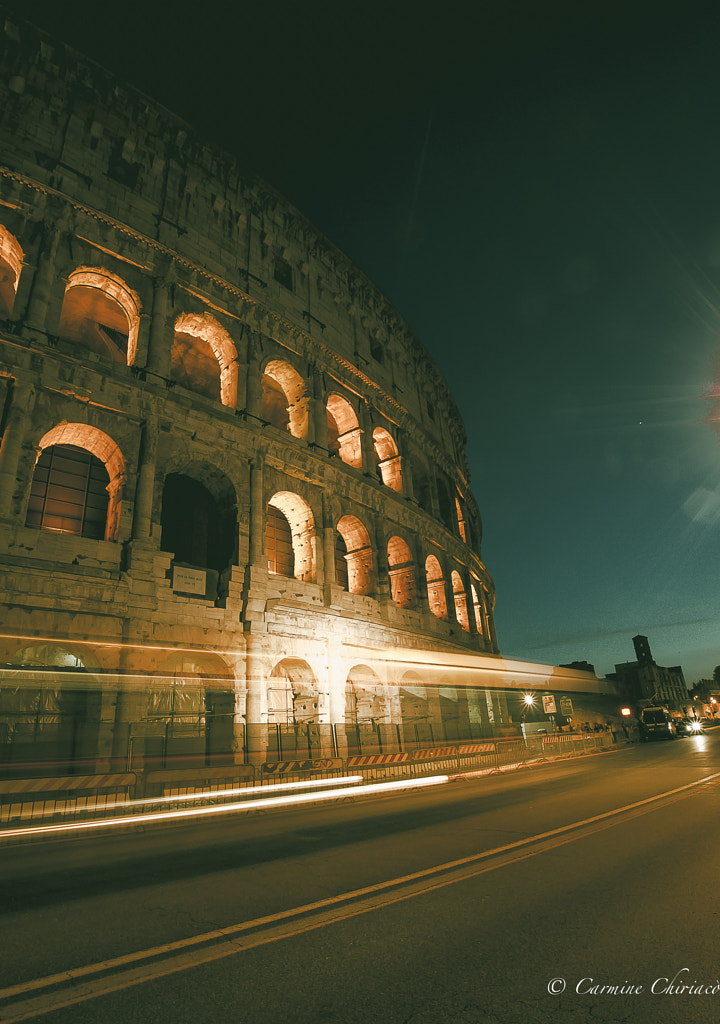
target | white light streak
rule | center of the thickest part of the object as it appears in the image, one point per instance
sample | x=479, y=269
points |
x=211, y=794
x=197, y=812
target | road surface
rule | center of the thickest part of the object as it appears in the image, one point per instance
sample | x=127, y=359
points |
x=577, y=891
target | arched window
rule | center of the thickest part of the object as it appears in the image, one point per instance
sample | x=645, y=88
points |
x=284, y=398
x=461, y=612
x=278, y=544
x=298, y=516
x=204, y=358
x=388, y=459
x=69, y=492
x=402, y=573
x=11, y=258
x=435, y=588
x=343, y=431
x=100, y=313
x=358, y=555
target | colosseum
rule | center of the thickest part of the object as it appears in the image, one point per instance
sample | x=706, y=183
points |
x=235, y=513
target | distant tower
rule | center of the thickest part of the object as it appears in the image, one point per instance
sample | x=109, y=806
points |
x=642, y=650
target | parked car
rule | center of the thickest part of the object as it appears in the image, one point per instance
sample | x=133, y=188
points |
x=689, y=727
x=656, y=724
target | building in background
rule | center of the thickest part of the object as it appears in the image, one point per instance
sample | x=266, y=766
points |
x=647, y=681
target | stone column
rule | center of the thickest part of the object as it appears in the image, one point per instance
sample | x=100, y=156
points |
x=328, y=549
x=257, y=512
x=382, y=568
x=318, y=410
x=142, y=520
x=255, y=702
x=366, y=439
x=16, y=431
x=407, y=481
x=489, y=620
x=161, y=333
x=254, y=378
x=45, y=276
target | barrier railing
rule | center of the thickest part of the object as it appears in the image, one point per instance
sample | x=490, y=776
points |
x=71, y=798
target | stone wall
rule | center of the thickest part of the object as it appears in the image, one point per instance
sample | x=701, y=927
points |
x=211, y=353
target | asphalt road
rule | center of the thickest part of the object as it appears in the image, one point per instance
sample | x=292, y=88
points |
x=563, y=892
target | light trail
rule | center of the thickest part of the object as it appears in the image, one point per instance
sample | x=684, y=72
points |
x=197, y=812
x=211, y=794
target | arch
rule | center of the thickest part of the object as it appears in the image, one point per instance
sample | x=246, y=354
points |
x=460, y=598
x=414, y=704
x=11, y=261
x=388, y=459
x=401, y=572
x=66, y=656
x=191, y=709
x=198, y=523
x=477, y=609
x=292, y=693
x=101, y=313
x=301, y=521
x=284, y=401
x=344, y=430
x=435, y=588
x=358, y=554
x=204, y=358
x=50, y=706
x=365, y=699
x=103, y=448
x=461, y=518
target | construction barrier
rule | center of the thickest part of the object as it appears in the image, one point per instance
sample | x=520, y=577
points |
x=34, y=799
x=71, y=797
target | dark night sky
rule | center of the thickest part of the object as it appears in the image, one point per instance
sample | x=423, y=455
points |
x=535, y=188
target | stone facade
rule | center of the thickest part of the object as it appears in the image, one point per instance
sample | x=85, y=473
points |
x=276, y=484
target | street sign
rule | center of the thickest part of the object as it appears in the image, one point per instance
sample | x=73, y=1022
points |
x=549, y=704
x=566, y=708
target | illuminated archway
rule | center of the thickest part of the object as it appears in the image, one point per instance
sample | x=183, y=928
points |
x=104, y=449
x=301, y=521
x=402, y=572
x=460, y=597
x=388, y=459
x=358, y=555
x=204, y=358
x=284, y=398
x=11, y=259
x=101, y=313
x=343, y=431
x=292, y=693
x=365, y=700
x=436, y=588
